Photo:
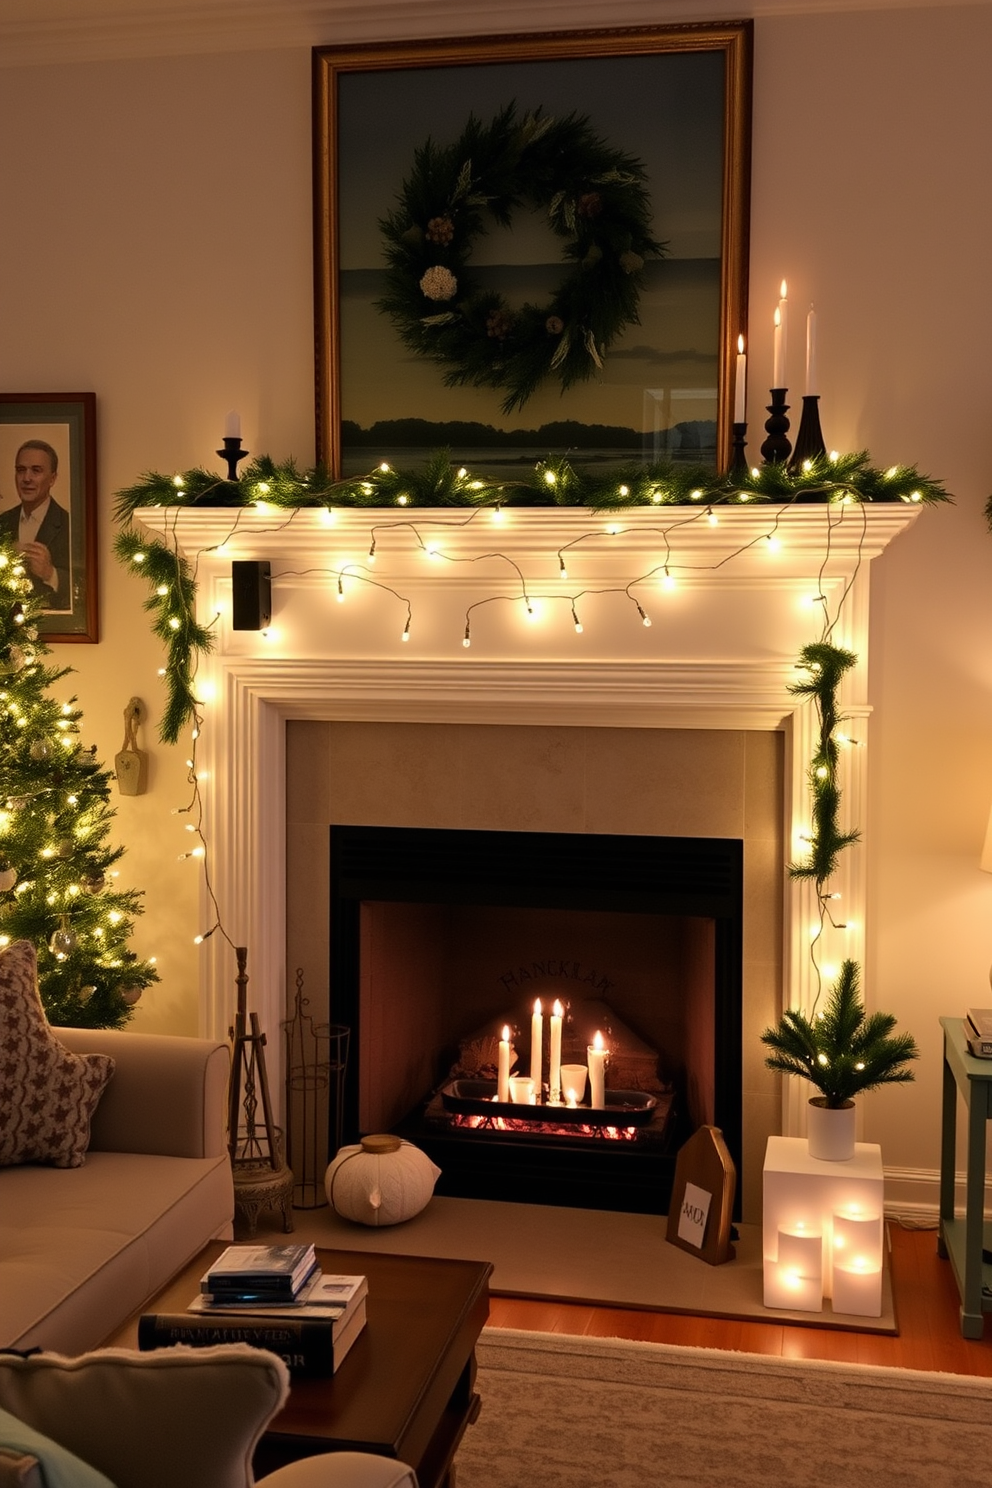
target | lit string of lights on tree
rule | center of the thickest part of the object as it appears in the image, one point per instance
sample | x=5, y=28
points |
x=837, y=481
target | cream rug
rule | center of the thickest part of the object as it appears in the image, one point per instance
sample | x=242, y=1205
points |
x=579, y=1255
x=564, y=1412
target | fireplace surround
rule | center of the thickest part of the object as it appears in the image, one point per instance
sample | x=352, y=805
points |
x=711, y=677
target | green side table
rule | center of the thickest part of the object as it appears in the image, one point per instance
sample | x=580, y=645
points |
x=962, y=1240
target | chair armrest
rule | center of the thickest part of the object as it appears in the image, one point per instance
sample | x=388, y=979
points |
x=342, y=1470
x=167, y=1096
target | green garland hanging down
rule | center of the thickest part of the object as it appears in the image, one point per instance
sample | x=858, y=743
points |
x=596, y=202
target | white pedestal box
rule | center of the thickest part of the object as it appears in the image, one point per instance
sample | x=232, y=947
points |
x=822, y=1229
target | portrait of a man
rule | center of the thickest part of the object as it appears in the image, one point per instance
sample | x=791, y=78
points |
x=39, y=525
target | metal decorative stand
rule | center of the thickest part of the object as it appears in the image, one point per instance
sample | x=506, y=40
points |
x=316, y=1060
x=261, y=1178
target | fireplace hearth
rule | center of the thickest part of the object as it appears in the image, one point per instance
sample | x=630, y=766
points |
x=436, y=934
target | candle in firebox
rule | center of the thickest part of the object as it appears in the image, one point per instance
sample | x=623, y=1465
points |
x=536, y=1044
x=554, y=1066
x=503, y=1075
x=596, y=1061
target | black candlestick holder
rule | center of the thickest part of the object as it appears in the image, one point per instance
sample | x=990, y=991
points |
x=738, y=468
x=232, y=453
x=809, y=440
x=777, y=447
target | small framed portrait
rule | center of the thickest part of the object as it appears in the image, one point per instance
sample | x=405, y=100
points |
x=48, y=504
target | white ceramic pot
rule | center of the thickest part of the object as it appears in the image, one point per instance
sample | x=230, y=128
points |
x=830, y=1133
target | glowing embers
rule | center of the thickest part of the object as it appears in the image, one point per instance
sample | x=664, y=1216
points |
x=542, y=1129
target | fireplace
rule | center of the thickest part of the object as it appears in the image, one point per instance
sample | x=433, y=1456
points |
x=644, y=707
x=438, y=935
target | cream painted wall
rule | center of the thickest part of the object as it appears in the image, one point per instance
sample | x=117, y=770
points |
x=156, y=248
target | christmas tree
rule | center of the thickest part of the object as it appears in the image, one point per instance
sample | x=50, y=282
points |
x=56, y=865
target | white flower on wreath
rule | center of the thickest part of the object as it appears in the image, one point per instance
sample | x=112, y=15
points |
x=439, y=283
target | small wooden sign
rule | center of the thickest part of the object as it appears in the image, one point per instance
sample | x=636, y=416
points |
x=699, y=1217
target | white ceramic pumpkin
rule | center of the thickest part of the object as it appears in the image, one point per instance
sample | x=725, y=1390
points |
x=382, y=1181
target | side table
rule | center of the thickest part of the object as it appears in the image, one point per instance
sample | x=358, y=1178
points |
x=962, y=1240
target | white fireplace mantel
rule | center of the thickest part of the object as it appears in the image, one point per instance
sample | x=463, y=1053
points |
x=720, y=652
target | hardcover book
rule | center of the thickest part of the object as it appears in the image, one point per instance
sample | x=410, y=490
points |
x=311, y=1347
x=323, y=1296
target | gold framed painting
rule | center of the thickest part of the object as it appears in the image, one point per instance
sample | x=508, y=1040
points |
x=531, y=245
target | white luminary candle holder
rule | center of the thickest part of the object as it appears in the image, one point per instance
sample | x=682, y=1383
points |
x=573, y=1083
x=856, y=1252
x=795, y=1279
x=522, y=1090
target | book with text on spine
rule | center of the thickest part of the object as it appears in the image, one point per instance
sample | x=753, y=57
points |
x=311, y=1347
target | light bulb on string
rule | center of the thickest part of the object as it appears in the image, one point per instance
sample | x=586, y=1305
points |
x=467, y=638
x=645, y=618
x=576, y=621
x=406, y=629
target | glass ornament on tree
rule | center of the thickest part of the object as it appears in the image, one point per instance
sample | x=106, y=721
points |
x=56, y=861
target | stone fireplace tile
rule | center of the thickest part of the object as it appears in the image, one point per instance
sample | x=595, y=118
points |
x=674, y=782
x=308, y=748
x=523, y=779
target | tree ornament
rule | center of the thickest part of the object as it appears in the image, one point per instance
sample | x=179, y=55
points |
x=65, y=848
x=17, y=657
x=39, y=749
x=131, y=994
x=8, y=878
x=597, y=203
x=85, y=994
x=19, y=803
x=92, y=883
x=63, y=942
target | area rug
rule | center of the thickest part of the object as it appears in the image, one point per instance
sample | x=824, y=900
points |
x=581, y=1255
x=566, y=1412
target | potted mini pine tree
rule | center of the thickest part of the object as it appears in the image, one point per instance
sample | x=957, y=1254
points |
x=841, y=1052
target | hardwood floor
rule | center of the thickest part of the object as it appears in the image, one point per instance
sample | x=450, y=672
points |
x=926, y=1302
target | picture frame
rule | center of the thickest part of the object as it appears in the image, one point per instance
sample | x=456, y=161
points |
x=675, y=98
x=60, y=430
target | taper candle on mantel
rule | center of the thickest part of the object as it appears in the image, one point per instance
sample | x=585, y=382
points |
x=809, y=444
x=780, y=339
x=740, y=384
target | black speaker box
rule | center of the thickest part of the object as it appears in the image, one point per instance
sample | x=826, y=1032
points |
x=251, y=585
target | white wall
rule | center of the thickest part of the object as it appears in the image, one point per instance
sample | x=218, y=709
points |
x=156, y=248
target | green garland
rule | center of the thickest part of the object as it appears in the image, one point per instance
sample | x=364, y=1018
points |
x=827, y=665
x=552, y=482
x=596, y=202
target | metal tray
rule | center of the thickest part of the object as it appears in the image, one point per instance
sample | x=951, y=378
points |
x=623, y=1107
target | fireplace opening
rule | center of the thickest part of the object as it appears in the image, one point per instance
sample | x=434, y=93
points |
x=440, y=938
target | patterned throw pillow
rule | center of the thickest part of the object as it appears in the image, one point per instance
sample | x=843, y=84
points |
x=47, y=1094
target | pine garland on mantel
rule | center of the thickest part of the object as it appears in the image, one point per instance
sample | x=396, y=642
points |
x=552, y=482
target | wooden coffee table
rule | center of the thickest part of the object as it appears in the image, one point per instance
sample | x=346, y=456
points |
x=406, y=1388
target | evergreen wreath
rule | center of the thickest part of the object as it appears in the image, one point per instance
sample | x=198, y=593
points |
x=596, y=201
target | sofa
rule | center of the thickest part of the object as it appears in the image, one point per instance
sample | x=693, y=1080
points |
x=83, y=1247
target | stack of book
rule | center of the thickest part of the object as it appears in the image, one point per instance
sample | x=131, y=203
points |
x=274, y=1297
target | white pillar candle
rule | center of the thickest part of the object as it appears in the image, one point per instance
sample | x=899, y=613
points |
x=536, y=1044
x=856, y=1239
x=596, y=1061
x=554, y=1058
x=503, y=1075
x=780, y=337
x=232, y=426
x=812, y=387
x=740, y=384
x=573, y=1083
x=785, y=1288
x=858, y=1289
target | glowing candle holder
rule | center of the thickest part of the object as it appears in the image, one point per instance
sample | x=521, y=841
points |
x=857, y=1288
x=573, y=1083
x=522, y=1090
x=795, y=1279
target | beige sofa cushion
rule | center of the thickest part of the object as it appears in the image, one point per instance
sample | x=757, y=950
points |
x=82, y=1249
x=47, y=1094
x=178, y=1416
